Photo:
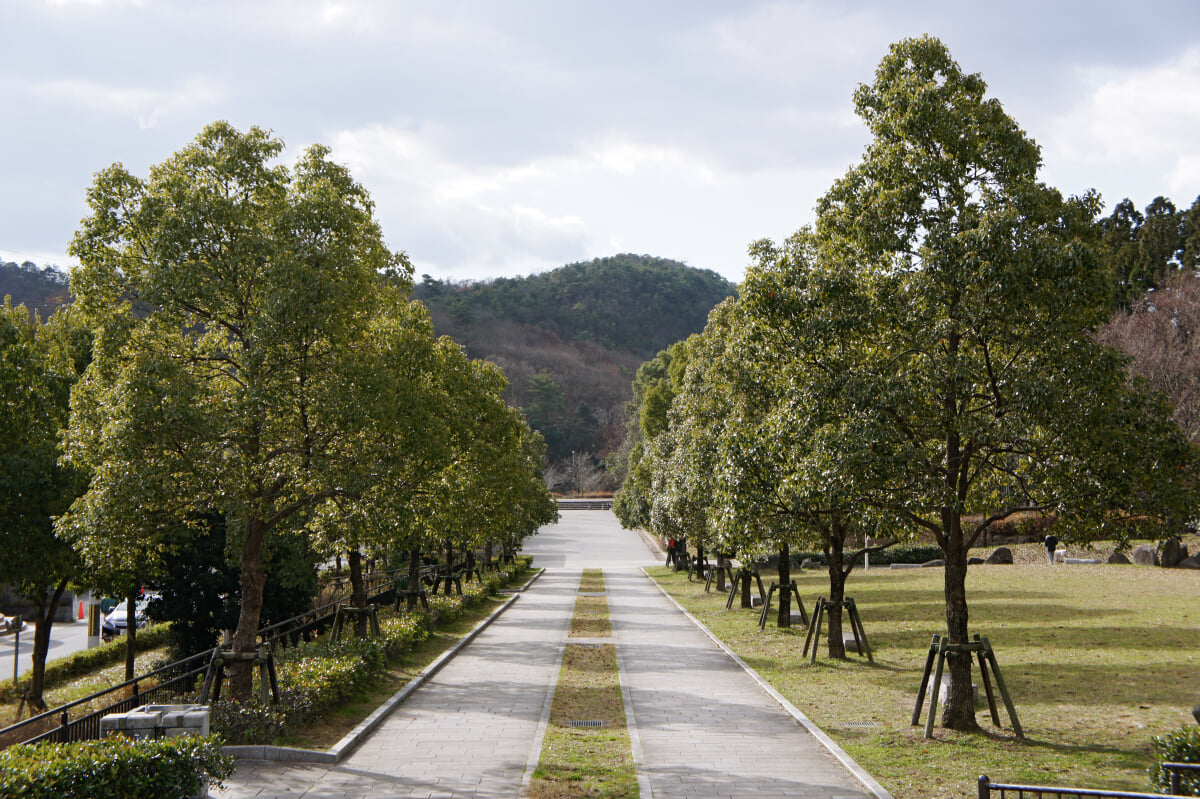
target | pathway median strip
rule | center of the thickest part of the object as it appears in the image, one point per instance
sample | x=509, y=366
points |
x=586, y=749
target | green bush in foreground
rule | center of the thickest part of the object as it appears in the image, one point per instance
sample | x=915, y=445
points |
x=1182, y=746
x=114, y=768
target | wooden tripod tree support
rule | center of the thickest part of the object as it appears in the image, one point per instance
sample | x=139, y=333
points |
x=344, y=611
x=982, y=648
x=762, y=619
x=746, y=575
x=716, y=569
x=402, y=595
x=222, y=657
x=856, y=627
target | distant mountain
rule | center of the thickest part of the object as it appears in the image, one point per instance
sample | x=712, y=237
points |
x=40, y=289
x=571, y=339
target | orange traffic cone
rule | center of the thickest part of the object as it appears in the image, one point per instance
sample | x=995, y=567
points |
x=81, y=616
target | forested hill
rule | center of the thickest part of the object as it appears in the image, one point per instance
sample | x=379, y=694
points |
x=633, y=303
x=40, y=289
x=570, y=340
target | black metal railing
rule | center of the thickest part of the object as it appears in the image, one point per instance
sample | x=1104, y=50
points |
x=585, y=504
x=87, y=726
x=989, y=789
x=177, y=680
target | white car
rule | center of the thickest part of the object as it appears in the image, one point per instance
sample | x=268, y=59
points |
x=117, y=620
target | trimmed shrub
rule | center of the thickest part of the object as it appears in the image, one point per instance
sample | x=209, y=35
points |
x=1182, y=746
x=114, y=768
x=320, y=675
x=905, y=553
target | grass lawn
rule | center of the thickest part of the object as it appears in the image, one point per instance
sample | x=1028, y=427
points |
x=1098, y=659
x=593, y=761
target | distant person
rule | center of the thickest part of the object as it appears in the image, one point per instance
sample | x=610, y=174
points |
x=1051, y=545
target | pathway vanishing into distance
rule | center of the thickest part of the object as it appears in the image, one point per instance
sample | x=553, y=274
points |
x=704, y=727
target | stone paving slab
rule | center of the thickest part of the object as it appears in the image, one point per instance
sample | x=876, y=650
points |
x=707, y=729
x=468, y=731
x=704, y=728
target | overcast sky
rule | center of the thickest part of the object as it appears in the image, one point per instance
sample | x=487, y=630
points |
x=509, y=137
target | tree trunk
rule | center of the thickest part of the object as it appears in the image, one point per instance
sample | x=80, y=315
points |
x=487, y=554
x=449, y=581
x=959, y=710
x=358, y=592
x=746, y=578
x=784, y=619
x=834, y=551
x=42, y=624
x=414, y=578
x=245, y=637
x=130, y=634
x=722, y=561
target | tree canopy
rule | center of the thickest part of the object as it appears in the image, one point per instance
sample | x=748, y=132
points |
x=38, y=365
x=257, y=357
x=925, y=357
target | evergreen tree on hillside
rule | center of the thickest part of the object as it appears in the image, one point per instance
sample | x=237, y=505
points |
x=40, y=289
x=577, y=333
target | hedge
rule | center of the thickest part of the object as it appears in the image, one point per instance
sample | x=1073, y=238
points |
x=320, y=675
x=86, y=661
x=1177, y=747
x=906, y=553
x=114, y=768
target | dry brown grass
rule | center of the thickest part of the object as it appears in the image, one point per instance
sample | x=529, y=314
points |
x=587, y=761
x=590, y=619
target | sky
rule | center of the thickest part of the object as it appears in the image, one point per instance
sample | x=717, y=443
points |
x=509, y=137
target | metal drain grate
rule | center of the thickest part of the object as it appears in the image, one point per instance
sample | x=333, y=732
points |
x=585, y=723
x=861, y=725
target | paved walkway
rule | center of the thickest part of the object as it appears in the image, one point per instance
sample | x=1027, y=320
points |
x=706, y=728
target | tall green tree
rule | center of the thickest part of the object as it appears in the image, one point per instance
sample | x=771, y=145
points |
x=231, y=295
x=985, y=391
x=654, y=388
x=793, y=460
x=38, y=365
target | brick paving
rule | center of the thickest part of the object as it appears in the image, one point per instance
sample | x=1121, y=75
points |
x=705, y=728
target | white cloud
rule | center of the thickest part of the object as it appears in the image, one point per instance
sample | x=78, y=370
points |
x=1142, y=120
x=148, y=106
x=93, y=3
x=793, y=44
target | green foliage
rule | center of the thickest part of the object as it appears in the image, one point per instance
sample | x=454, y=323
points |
x=901, y=553
x=1181, y=746
x=115, y=768
x=1142, y=250
x=586, y=327
x=646, y=417
x=199, y=589
x=258, y=360
x=636, y=303
x=921, y=360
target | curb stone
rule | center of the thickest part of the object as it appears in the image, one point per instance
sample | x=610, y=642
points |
x=342, y=749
